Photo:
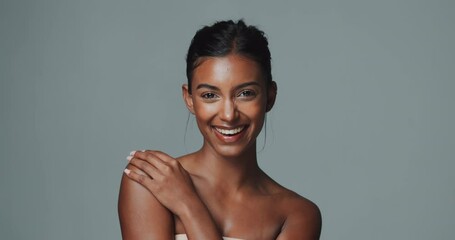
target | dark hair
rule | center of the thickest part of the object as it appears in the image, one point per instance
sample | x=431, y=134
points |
x=225, y=37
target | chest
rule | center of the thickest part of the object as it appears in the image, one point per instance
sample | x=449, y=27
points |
x=255, y=217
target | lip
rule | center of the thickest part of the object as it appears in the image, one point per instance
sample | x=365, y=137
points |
x=231, y=138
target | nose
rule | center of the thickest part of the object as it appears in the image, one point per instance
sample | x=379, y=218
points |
x=228, y=111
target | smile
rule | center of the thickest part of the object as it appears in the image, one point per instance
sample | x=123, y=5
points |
x=230, y=132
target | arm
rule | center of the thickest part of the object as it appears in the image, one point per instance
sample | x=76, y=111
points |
x=304, y=222
x=172, y=188
x=141, y=215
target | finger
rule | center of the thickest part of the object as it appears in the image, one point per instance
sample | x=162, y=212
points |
x=159, y=154
x=142, y=179
x=144, y=166
x=174, y=163
x=153, y=159
x=163, y=156
x=166, y=158
x=135, y=169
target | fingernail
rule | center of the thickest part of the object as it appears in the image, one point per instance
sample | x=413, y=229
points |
x=129, y=158
x=127, y=171
x=132, y=153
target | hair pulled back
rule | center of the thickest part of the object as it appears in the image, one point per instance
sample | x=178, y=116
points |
x=229, y=37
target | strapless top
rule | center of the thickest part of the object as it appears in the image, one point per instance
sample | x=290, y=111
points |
x=184, y=237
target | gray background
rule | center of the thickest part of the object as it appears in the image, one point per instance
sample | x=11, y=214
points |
x=363, y=124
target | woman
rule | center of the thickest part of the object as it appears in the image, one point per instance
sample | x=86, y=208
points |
x=218, y=190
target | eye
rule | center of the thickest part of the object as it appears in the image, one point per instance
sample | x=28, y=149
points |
x=247, y=93
x=208, y=95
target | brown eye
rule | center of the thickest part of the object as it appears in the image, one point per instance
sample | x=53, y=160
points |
x=247, y=93
x=208, y=95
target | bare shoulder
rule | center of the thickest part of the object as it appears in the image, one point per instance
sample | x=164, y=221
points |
x=294, y=204
x=187, y=162
x=184, y=159
x=302, y=217
x=141, y=215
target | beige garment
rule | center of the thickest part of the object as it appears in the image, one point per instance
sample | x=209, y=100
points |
x=184, y=237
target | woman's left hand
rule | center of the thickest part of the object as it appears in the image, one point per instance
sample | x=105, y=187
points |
x=164, y=177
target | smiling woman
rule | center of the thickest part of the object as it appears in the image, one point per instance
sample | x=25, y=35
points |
x=229, y=99
x=218, y=190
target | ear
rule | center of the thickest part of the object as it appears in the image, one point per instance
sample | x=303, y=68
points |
x=271, y=95
x=187, y=98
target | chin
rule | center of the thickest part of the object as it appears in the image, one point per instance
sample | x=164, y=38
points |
x=234, y=151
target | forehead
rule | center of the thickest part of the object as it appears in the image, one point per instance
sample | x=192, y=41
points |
x=227, y=71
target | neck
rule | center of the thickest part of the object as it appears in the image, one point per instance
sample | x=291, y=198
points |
x=228, y=172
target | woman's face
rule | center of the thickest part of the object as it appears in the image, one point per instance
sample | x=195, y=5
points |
x=229, y=99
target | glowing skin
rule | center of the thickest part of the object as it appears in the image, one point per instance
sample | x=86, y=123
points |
x=229, y=100
x=218, y=190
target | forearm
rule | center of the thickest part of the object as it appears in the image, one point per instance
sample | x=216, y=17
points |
x=198, y=222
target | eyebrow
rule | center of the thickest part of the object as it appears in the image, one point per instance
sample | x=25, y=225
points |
x=205, y=85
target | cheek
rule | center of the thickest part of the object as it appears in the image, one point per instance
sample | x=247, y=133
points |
x=204, y=112
x=254, y=110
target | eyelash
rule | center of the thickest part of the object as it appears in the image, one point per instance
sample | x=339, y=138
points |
x=249, y=93
x=243, y=94
x=208, y=95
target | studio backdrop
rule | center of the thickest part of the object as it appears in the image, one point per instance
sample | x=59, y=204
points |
x=363, y=124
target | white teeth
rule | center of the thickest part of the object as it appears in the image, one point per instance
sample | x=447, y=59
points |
x=230, y=131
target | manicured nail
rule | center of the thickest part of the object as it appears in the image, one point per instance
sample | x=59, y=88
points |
x=129, y=158
x=127, y=171
x=132, y=153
